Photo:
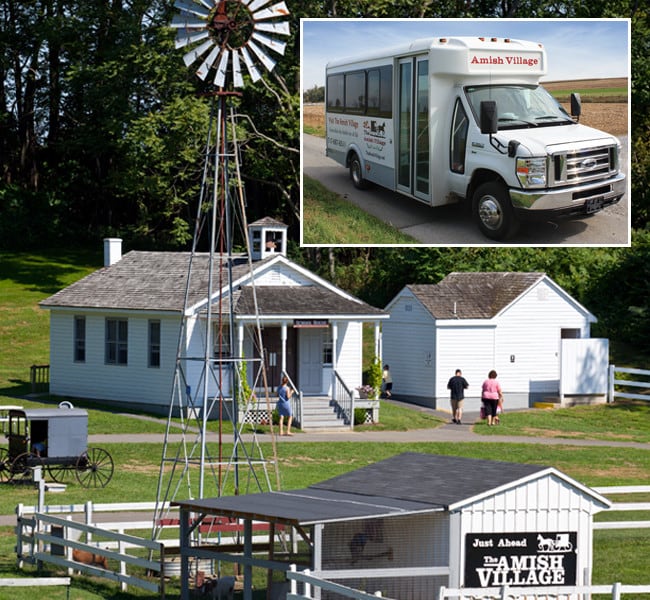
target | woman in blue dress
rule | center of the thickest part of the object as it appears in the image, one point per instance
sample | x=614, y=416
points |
x=284, y=405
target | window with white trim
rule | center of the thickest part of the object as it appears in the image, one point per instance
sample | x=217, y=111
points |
x=80, y=339
x=117, y=342
x=154, y=344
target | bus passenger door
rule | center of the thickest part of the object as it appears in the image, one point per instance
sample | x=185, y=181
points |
x=413, y=128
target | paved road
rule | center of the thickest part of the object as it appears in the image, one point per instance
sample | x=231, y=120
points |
x=452, y=224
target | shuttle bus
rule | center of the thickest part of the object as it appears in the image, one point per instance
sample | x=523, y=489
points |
x=465, y=119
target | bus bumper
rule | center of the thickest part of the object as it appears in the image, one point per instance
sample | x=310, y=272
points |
x=577, y=200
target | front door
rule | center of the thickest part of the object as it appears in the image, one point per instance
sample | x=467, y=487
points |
x=272, y=343
x=310, y=361
x=413, y=123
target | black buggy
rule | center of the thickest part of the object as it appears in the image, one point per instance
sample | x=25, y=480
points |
x=55, y=439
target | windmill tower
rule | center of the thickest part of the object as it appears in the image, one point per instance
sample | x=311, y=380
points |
x=213, y=381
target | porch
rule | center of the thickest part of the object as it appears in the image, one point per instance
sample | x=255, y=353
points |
x=317, y=412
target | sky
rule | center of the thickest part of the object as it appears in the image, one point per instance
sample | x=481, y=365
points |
x=576, y=49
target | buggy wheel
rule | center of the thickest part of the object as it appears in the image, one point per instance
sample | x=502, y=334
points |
x=60, y=473
x=5, y=465
x=21, y=468
x=94, y=468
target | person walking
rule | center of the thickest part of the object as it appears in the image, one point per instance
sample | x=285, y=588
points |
x=491, y=394
x=457, y=386
x=284, y=405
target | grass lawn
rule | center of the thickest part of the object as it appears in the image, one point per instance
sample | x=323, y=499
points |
x=328, y=219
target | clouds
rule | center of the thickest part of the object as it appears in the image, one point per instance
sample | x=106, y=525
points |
x=577, y=49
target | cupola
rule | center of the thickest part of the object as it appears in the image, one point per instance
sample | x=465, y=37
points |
x=267, y=237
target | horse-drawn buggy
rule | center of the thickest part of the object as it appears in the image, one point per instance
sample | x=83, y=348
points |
x=55, y=439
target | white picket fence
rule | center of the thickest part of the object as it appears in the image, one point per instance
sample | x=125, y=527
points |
x=644, y=384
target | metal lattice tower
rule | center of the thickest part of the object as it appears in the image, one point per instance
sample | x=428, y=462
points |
x=211, y=386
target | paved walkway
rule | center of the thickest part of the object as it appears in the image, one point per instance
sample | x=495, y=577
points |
x=448, y=432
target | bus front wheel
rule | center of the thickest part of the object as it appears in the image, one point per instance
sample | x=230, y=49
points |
x=493, y=212
x=356, y=173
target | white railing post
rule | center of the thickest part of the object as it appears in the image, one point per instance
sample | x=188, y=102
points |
x=610, y=386
x=294, y=583
x=616, y=591
x=307, y=585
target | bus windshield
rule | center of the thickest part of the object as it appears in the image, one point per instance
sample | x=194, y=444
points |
x=519, y=105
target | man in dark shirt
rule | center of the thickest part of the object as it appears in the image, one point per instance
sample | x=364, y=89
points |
x=457, y=384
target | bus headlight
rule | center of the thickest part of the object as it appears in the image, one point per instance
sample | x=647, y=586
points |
x=531, y=172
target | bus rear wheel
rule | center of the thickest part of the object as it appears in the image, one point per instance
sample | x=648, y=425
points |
x=356, y=173
x=493, y=212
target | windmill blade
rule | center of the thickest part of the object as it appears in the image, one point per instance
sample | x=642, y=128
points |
x=250, y=65
x=187, y=22
x=276, y=28
x=184, y=37
x=277, y=10
x=222, y=69
x=192, y=8
x=269, y=42
x=238, y=80
x=202, y=71
x=192, y=55
x=265, y=59
x=255, y=4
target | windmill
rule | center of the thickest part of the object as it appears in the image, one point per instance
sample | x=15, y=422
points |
x=220, y=36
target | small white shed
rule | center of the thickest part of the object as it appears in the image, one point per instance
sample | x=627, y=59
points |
x=523, y=325
x=414, y=522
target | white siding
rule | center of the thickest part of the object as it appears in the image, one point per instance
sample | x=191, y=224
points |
x=281, y=274
x=349, y=359
x=409, y=347
x=470, y=349
x=585, y=365
x=527, y=356
x=135, y=382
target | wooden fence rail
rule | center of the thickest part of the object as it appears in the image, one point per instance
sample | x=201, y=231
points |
x=643, y=384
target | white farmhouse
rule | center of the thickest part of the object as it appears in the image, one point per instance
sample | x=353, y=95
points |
x=523, y=325
x=114, y=335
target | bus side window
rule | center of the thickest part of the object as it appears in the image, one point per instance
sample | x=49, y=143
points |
x=458, y=146
x=335, y=99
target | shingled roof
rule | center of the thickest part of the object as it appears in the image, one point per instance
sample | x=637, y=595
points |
x=157, y=280
x=473, y=295
x=407, y=483
x=142, y=281
x=303, y=300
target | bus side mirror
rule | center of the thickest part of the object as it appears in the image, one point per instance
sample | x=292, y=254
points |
x=489, y=119
x=576, y=105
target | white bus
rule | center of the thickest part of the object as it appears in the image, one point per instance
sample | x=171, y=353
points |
x=449, y=119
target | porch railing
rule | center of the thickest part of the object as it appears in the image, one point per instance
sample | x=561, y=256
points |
x=343, y=398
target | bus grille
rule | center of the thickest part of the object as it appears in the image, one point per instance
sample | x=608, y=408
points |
x=584, y=165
